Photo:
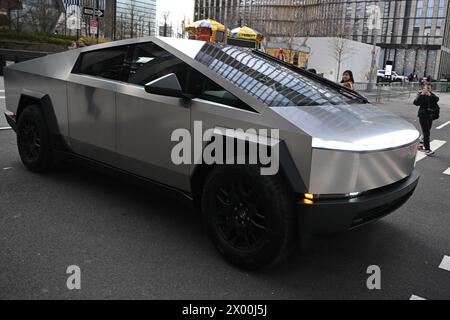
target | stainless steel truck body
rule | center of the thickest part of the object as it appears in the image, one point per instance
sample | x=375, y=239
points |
x=342, y=161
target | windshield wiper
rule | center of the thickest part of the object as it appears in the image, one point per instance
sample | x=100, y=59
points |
x=341, y=89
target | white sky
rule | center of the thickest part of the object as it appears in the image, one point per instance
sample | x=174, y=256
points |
x=177, y=9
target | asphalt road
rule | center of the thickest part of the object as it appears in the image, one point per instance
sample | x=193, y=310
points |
x=133, y=244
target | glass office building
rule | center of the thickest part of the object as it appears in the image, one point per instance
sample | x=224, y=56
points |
x=134, y=18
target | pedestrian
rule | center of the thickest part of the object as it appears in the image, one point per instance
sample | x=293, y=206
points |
x=347, y=80
x=427, y=102
x=72, y=46
x=424, y=80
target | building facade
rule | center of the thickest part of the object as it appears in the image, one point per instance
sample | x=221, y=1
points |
x=413, y=34
x=31, y=15
x=122, y=18
x=134, y=18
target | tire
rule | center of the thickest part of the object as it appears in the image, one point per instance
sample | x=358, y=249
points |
x=33, y=140
x=250, y=218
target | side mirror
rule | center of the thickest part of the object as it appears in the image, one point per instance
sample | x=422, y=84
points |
x=168, y=86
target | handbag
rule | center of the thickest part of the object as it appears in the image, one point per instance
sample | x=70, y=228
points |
x=434, y=113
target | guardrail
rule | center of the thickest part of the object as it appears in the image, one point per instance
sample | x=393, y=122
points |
x=21, y=55
x=387, y=91
x=18, y=56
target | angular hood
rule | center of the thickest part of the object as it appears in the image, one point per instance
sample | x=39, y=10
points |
x=350, y=127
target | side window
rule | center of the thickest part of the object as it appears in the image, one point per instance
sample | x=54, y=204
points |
x=147, y=62
x=105, y=63
x=206, y=89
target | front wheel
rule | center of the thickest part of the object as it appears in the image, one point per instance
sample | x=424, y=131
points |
x=33, y=140
x=251, y=218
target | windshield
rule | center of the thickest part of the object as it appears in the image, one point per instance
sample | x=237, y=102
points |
x=273, y=84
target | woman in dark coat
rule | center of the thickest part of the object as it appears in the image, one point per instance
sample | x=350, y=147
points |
x=427, y=102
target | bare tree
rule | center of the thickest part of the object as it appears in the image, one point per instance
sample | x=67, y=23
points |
x=165, y=16
x=12, y=8
x=42, y=15
x=292, y=30
x=341, y=50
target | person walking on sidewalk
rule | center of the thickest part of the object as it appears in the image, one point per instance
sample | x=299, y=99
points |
x=427, y=102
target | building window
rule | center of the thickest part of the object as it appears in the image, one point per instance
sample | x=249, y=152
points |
x=441, y=14
x=430, y=9
x=415, y=39
x=348, y=16
x=387, y=10
x=406, y=22
x=358, y=18
x=419, y=13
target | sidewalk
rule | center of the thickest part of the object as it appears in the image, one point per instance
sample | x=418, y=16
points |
x=444, y=100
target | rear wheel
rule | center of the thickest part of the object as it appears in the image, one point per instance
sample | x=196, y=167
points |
x=251, y=218
x=33, y=140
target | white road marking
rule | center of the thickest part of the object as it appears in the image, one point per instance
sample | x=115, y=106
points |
x=2, y=97
x=7, y=168
x=445, y=264
x=447, y=171
x=443, y=125
x=414, y=297
x=2, y=90
x=5, y=128
x=435, y=144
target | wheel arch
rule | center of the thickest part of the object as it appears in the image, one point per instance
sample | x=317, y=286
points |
x=287, y=169
x=43, y=101
x=45, y=104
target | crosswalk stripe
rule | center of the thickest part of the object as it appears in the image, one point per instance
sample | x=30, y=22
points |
x=5, y=128
x=445, y=264
x=443, y=125
x=435, y=144
x=414, y=297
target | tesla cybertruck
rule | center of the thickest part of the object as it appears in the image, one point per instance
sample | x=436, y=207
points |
x=341, y=162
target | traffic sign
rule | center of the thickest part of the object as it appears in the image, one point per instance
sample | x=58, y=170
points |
x=94, y=26
x=90, y=12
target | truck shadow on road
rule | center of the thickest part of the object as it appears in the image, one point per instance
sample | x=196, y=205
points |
x=166, y=235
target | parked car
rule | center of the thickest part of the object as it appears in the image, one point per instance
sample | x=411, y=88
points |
x=398, y=78
x=342, y=162
x=395, y=77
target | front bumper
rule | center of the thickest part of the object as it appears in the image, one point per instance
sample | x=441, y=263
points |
x=11, y=119
x=343, y=214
